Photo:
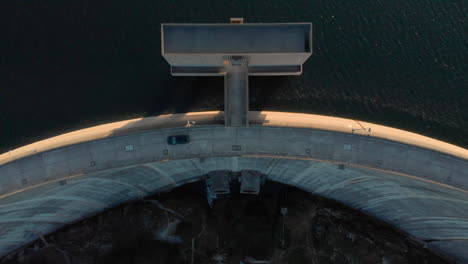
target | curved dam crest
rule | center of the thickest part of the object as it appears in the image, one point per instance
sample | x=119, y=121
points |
x=264, y=118
x=415, y=183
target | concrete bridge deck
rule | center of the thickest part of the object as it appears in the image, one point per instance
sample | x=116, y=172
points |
x=236, y=95
x=418, y=184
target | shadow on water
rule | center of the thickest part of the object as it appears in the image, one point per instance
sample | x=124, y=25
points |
x=190, y=94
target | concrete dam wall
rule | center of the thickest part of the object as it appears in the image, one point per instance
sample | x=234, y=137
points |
x=415, y=183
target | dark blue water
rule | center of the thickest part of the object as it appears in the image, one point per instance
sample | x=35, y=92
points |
x=66, y=65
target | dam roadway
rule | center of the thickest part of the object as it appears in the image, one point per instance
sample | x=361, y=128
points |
x=415, y=183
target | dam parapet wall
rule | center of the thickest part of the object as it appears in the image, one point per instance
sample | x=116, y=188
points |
x=273, y=133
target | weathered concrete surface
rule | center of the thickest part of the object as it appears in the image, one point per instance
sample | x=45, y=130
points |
x=235, y=38
x=236, y=93
x=316, y=231
x=272, y=48
x=420, y=188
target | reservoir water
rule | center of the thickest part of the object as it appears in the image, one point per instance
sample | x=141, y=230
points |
x=70, y=65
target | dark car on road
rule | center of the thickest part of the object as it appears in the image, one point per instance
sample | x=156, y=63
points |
x=179, y=139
